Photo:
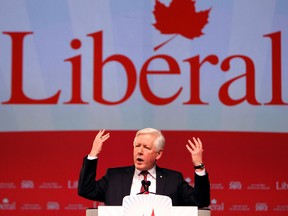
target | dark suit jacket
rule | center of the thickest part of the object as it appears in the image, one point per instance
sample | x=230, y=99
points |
x=116, y=184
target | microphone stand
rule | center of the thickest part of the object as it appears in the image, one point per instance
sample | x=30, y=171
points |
x=145, y=185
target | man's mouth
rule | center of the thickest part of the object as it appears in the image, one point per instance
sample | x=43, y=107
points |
x=139, y=159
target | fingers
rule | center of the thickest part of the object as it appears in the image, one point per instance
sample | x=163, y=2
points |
x=101, y=137
x=100, y=133
x=189, y=149
x=105, y=137
x=195, y=145
x=196, y=149
x=197, y=142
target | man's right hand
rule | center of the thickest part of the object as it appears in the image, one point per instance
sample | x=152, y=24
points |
x=98, y=143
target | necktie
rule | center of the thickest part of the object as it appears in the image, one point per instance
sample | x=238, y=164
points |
x=142, y=191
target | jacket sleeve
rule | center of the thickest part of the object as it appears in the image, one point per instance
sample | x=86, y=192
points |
x=198, y=195
x=88, y=187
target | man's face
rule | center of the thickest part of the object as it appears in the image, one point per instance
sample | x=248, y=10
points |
x=145, y=154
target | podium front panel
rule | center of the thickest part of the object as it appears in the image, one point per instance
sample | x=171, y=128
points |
x=94, y=212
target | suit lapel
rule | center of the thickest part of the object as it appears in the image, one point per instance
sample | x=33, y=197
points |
x=127, y=180
x=160, y=180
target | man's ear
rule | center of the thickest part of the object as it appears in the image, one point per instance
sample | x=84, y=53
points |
x=159, y=154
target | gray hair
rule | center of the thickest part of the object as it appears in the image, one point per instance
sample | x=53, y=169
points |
x=159, y=142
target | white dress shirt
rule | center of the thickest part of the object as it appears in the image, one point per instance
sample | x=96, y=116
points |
x=137, y=179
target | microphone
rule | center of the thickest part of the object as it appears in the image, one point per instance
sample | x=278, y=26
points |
x=145, y=185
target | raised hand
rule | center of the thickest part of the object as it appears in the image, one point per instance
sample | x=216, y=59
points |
x=196, y=149
x=98, y=143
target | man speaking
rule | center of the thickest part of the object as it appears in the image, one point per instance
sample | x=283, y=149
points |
x=144, y=176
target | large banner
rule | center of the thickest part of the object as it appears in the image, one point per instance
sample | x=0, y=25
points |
x=213, y=69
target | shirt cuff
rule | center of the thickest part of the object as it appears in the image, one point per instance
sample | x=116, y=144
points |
x=91, y=157
x=201, y=173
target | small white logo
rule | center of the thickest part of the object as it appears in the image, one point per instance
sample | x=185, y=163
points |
x=27, y=184
x=215, y=206
x=53, y=205
x=235, y=185
x=261, y=207
x=5, y=205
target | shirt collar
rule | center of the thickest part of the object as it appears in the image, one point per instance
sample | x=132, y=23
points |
x=151, y=171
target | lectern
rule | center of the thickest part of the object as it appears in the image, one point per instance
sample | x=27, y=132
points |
x=147, y=205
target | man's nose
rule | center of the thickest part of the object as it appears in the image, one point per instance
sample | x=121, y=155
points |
x=140, y=150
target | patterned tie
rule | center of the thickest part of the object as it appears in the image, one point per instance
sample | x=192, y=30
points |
x=144, y=173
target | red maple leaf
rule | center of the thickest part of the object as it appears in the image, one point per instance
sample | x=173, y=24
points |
x=180, y=17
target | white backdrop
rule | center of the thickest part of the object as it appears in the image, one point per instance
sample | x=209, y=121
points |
x=234, y=28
